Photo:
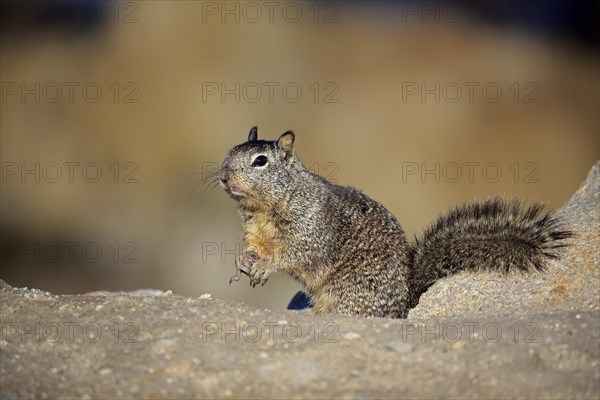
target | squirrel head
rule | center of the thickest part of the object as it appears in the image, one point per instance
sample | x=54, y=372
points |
x=258, y=173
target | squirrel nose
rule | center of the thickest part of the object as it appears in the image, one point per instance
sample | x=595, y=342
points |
x=225, y=175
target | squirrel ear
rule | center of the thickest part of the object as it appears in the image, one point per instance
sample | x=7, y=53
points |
x=285, y=142
x=253, y=135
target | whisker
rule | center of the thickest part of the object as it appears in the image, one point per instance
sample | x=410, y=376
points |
x=223, y=144
x=205, y=176
x=186, y=177
x=196, y=186
x=209, y=185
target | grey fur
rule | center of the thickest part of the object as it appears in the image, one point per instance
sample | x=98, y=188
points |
x=350, y=254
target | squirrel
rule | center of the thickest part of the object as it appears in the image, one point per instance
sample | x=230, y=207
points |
x=349, y=252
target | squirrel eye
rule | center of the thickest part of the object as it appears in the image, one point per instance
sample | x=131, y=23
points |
x=260, y=161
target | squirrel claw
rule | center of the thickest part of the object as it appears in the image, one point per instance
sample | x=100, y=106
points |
x=259, y=275
x=236, y=276
x=241, y=266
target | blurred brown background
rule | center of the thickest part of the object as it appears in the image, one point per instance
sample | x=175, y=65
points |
x=145, y=94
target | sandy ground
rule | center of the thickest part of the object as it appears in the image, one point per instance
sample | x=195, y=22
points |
x=532, y=336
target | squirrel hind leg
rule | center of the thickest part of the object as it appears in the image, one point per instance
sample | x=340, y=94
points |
x=300, y=301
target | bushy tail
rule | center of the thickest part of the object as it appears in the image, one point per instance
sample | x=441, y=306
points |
x=492, y=235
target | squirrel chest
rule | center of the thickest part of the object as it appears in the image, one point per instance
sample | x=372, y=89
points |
x=261, y=234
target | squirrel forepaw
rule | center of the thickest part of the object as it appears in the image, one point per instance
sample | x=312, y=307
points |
x=243, y=264
x=259, y=274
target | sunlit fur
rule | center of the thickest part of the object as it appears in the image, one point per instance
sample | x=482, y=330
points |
x=350, y=254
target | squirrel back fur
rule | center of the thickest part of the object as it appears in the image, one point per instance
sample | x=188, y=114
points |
x=349, y=252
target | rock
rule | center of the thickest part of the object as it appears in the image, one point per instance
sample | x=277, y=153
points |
x=351, y=336
x=400, y=346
